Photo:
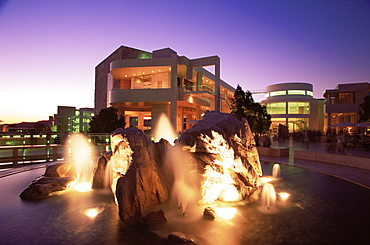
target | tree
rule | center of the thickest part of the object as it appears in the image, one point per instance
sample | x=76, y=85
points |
x=243, y=105
x=106, y=121
x=365, y=112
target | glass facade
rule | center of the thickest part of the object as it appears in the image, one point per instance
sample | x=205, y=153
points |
x=297, y=92
x=275, y=124
x=276, y=108
x=298, y=108
x=298, y=124
x=289, y=92
x=277, y=93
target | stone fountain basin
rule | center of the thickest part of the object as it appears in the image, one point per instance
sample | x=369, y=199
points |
x=322, y=209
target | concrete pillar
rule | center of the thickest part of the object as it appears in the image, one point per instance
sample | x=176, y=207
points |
x=174, y=91
x=140, y=123
x=199, y=81
x=217, y=86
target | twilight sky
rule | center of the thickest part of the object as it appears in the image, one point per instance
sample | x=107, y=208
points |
x=49, y=48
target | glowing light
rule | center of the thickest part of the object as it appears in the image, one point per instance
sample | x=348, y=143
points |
x=226, y=212
x=284, y=195
x=265, y=180
x=191, y=100
x=83, y=187
x=93, y=212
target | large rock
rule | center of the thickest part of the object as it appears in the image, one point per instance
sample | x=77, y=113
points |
x=57, y=177
x=226, y=148
x=218, y=150
x=141, y=185
x=60, y=169
x=99, y=181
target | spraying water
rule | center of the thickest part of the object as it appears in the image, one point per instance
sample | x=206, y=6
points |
x=177, y=162
x=276, y=170
x=80, y=154
x=268, y=196
x=164, y=130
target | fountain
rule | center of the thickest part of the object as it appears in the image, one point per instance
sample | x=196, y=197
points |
x=210, y=162
x=75, y=171
x=81, y=155
x=268, y=196
x=276, y=170
x=228, y=180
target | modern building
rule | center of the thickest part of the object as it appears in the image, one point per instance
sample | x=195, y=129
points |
x=142, y=85
x=343, y=102
x=292, y=104
x=72, y=120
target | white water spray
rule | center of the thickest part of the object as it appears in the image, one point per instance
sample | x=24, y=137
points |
x=81, y=154
x=268, y=196
x=276, y=171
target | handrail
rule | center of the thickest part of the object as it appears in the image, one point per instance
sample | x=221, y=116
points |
x=11, y=156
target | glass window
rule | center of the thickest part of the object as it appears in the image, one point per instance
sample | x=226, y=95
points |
x=298, y=92
x=134, y=122
x=347, y=98
x=298, y=124
x=276, y=108
x=310, y=93
x=298, y=108
x=277, y=93
x=275, y=124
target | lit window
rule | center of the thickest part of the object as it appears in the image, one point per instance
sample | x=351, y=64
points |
x=277, y=93
x=298, y=108
x=297, y=92
x=310, y=93
x=276, y=108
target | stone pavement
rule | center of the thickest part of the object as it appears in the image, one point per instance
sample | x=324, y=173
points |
x=356, y=175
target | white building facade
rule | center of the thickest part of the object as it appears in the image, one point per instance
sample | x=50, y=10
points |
x=292, y=104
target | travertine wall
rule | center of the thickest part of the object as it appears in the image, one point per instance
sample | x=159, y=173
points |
x=102, y=70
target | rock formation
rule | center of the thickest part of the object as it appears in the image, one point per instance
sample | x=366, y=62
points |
x=140, y=184
x=57, y=177
x=224, y=147
x=221, y=150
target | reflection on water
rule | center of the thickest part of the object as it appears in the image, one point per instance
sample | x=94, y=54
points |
x=311, y=215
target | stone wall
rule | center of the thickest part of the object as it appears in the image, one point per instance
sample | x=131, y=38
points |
x=345, y=160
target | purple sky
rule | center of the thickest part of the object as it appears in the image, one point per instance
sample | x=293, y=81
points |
x=49, y=49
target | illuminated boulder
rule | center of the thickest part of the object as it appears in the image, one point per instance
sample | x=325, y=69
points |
x=225, y=147
x=57, y=177
x=216, y=159
x=138, y=175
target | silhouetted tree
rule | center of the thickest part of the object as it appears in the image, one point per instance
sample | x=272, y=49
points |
x=106, y=121
x=243, y=105
x=39, y=127
x=365, y=112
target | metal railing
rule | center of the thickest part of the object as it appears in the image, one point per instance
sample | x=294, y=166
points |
x=12, y=156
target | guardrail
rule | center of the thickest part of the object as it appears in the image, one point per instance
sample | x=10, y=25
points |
x=11, y=156
x=20, y=139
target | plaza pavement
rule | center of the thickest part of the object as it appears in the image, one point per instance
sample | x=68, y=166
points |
x=356, y=175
